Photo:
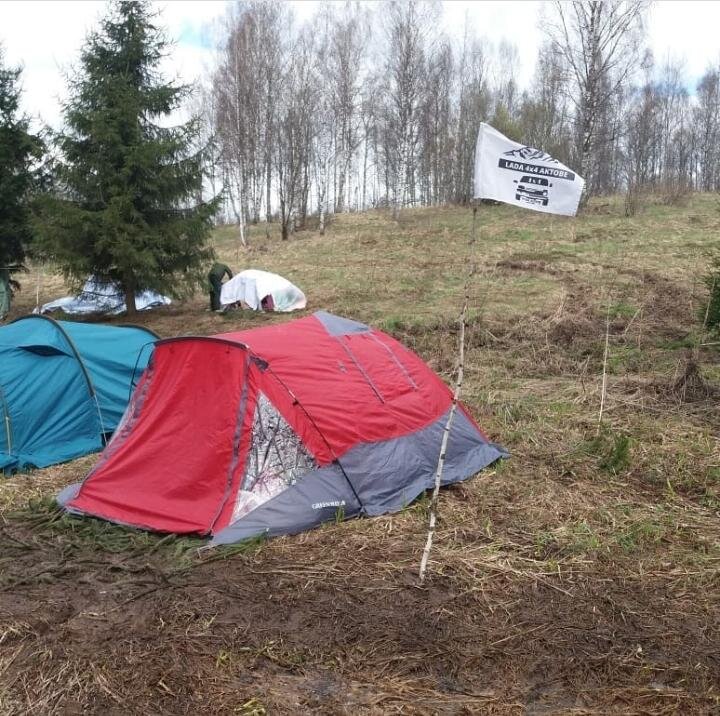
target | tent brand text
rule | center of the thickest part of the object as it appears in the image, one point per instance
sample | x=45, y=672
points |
x=335, y=503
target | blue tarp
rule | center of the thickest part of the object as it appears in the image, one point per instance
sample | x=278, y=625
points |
x=64, y=387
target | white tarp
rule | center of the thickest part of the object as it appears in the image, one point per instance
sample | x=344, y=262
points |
x=100, y=297
x=524, y=176
x=252, y=286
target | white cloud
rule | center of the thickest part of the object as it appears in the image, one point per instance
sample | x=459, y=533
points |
x=686, y=31
x=513, y=22
x=45, y=37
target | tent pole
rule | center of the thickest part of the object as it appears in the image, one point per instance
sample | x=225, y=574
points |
x=336, y=459
x=9, y=434
x=8, y=425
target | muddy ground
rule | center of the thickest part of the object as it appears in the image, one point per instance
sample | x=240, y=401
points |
x=582, y=576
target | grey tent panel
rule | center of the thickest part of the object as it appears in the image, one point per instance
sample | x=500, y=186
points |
x=375, y=471
x=337, y=326
x=68, y=493
x=389, y=475
x=318, y=497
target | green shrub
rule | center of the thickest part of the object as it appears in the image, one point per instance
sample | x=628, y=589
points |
x=710, y=310
x=612, y=450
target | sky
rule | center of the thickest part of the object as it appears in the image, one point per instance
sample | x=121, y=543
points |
x=45, y=37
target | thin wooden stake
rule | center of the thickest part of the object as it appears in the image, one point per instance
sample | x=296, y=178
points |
x=604, y=374
x=448, y=425
x=445, y=437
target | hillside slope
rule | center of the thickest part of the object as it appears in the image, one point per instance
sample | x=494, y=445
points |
x=580, y=576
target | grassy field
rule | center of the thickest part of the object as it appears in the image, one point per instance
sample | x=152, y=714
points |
x=582, y=576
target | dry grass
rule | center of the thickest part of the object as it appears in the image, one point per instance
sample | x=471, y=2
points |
x=581, y=577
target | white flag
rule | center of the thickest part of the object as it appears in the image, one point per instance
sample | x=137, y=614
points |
x=528, y=177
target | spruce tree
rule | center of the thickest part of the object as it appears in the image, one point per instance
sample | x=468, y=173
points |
x=127, y=205
x=710, y=309
x=19, y=150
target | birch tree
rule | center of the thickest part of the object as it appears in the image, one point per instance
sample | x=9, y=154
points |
x=436, y=128
x=408, y=28
x=322, y=149
x=600, y=41
x=239, y=130
x=347, y=35
x=707, y=122
x=294, y=131
x=544, y=115
x=473, y=106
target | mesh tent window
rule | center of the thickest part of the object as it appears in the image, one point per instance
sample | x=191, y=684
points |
x=276, y=460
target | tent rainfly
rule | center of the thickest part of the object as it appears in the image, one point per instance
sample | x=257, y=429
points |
x=262, y=291
x=63, y=387
x=274, y=430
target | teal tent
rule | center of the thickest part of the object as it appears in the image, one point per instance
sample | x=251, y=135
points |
x=64, y=387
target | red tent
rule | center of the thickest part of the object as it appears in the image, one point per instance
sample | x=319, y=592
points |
x=275, y=430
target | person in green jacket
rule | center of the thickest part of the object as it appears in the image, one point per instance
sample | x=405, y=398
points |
x=215, y=277
x=5, y=293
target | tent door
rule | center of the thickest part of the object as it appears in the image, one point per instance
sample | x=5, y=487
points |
x=175, y=467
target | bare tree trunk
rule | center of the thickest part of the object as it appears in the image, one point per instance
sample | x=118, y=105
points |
x=130, y=305
x=238, y=210
x=322, y=197
x=335, y=190
x=364, y=179
x=236, y=202
x=397, y=193
x=340, y=198
x=241, y=227
x=305, y=191
x=600, y=43
x=268, y=190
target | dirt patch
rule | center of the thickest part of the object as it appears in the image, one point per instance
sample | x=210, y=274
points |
x=274, y=629
x=510, y=265
x=669, y=303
